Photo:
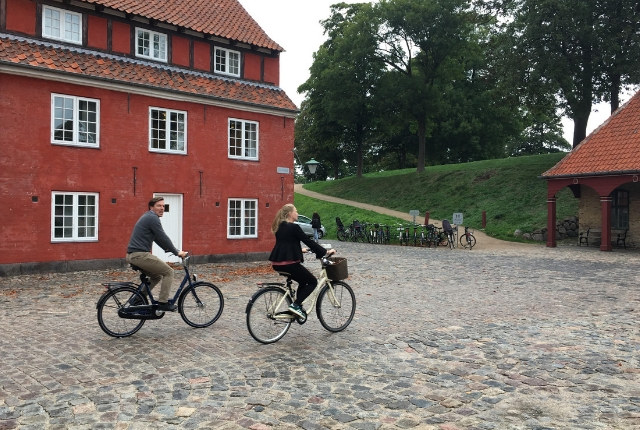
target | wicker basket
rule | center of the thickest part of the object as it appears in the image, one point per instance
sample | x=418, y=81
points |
x=338, y=270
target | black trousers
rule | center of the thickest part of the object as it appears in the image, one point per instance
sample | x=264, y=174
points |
x=305, y=279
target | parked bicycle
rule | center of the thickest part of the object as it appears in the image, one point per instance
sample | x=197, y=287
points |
x=450, y=232
x=359, y=231
x=268, y=316
x=467, y=240
x=375, y=233
x=125, y=306
x=343, y=233
x=435, y=236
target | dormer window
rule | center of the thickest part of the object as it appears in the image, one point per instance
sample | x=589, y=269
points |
x=61, y=24
x=227, y=62
x=150, y=44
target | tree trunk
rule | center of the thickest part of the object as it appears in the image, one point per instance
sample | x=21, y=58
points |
x=581, y=107
x=422, y=127
x=580, y=128
x=359, y=143
x=615, y=92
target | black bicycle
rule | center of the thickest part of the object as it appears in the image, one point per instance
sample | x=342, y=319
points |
x=125, y=306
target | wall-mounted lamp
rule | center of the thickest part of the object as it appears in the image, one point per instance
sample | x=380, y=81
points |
x=312, y=165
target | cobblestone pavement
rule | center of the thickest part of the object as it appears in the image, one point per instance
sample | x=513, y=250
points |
x=538, y=339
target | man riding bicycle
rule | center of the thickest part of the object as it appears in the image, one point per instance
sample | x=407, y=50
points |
x=147, y=230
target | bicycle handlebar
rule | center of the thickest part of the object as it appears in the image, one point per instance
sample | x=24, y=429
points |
x=324, y=258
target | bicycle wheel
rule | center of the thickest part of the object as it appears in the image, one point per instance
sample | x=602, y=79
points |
x=201, y=304
x=109, y=304
x=471, y=241
x=335, y=309
x=430, y=239
x=452, y=242
x=342, y=235
x=261, y=310
x=463, y=240
x=444, y=241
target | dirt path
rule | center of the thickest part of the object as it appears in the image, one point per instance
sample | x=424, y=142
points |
x=483, y=241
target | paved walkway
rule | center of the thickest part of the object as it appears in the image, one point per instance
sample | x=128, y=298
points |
x=442, y=339
x=484, y=241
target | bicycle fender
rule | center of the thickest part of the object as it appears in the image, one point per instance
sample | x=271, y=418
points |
x=195, y=284
x=114, y=285
x=111, y=285
x=250, y=302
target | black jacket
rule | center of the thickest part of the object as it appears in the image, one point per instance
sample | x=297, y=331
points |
x=315, y=222
x=287, y=248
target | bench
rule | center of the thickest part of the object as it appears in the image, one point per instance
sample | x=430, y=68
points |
x=595, y=235
x=620, y=236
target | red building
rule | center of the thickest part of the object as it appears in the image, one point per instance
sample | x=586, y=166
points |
x=106, y=103
x=603, y=171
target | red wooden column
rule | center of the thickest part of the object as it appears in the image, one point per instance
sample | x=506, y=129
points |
x=551, y=222
x=605, y=202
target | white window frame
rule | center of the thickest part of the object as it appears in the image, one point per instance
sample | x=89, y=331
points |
x=243, y=138
x=77, y=122
x=244, y=226
x=167, y=131
x=66, y=28
x=74, y=217
x=226, y=56
x=151, y=34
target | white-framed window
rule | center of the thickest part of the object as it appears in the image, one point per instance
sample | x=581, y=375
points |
x=150, y=44
x=243, y=139
x=227, y=61
x=61, y=24
x=167, y=130
x=242, y=219
x=75, y=120
x=74, y=217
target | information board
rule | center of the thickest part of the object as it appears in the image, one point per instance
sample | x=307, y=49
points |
x=457, y=218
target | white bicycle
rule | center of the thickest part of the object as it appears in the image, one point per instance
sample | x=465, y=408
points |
x=268, y=316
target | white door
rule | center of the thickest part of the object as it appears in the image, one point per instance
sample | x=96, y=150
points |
x=172, y=225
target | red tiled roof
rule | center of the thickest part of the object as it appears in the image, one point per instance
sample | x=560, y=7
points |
x=612, y=148
x=222, y=18
x=80, y=62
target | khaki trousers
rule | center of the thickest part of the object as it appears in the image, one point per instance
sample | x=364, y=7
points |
x=156, y=269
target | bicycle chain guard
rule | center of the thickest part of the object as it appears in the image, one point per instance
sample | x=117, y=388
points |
x=141, y=313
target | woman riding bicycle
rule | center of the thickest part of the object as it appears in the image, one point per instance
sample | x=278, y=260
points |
x=286, y=255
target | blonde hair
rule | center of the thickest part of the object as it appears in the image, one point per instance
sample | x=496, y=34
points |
x=281, y=216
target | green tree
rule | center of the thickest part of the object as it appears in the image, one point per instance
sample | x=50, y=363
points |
x=584, y=50
x=535, y=126
x=316, y=136
x=421, y=42
x=619, y=47
x=343, y=78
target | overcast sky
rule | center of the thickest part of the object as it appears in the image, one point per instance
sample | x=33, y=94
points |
x=295, y=25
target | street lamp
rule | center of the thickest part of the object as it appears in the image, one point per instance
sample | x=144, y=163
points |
x=312, y=165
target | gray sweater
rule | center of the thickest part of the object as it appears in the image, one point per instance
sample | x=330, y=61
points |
x=147, y=230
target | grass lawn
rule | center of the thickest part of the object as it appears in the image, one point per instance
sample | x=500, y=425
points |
x=509, y=191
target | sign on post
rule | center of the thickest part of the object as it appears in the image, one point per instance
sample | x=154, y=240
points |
x=414, y=213
x=457, y=218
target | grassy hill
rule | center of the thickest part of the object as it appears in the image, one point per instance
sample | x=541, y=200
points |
x=509, y=190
